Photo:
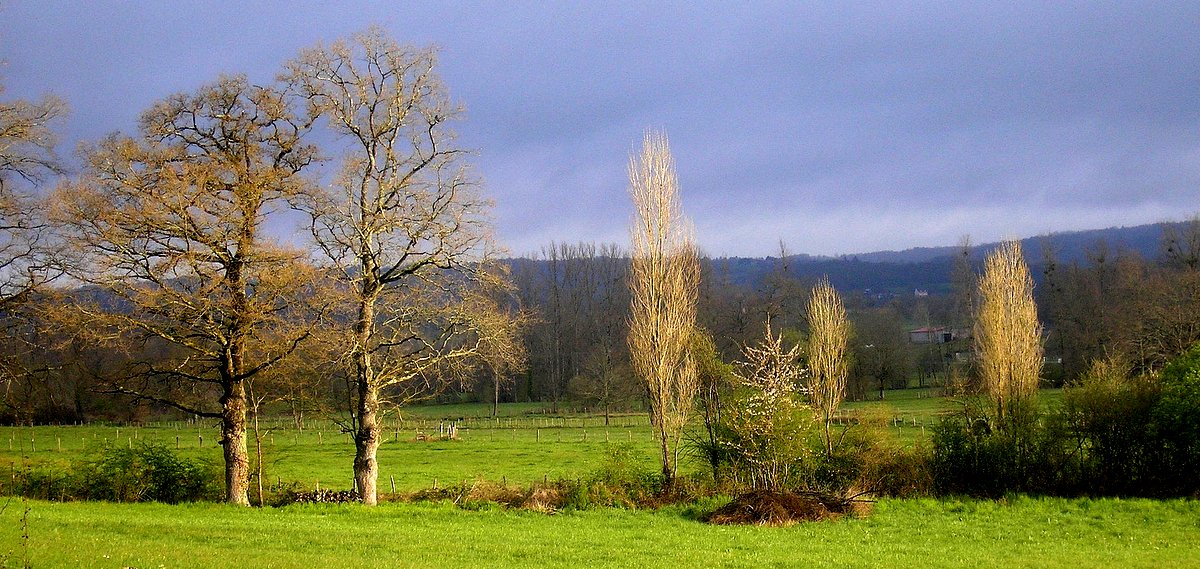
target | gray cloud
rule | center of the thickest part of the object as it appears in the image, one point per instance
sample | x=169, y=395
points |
x=839, y=128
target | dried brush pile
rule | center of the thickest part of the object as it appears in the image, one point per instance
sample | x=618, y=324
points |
x=767, y=507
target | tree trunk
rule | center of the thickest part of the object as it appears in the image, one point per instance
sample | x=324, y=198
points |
x=668, y=472
x=233, y=439
x=366, y=445
x=366, y=437
x=495, y=394
x=258, y=456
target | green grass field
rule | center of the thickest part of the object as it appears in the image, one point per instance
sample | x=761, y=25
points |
x=1023, y=532
x=322, y=455
x=523, y=445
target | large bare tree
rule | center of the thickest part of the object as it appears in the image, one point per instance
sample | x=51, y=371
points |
x=170, y=226
x=664, y=279
x=1008, y=337
x=404, y=225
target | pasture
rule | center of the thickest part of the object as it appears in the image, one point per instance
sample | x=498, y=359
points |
x=1020, y=532
x=525, y=445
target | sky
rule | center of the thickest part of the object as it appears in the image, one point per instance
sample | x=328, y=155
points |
x=832, y=127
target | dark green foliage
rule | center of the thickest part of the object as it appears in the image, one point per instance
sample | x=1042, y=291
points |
x=147, y=473
x=978, y=455
x=1175, y=421
x=1110, y=424
x=1113, y=436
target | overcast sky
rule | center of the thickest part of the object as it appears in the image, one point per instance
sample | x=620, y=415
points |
x=836, y=127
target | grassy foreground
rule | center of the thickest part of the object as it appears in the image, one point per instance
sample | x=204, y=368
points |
x=1023, y=532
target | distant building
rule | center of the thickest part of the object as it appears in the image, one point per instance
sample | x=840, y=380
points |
x=930, y=335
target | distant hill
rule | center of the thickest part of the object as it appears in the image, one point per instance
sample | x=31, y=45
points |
x=1069, y=246
x=928, y=268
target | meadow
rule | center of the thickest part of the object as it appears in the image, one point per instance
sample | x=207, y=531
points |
x=526, y=445
x=1024, y=532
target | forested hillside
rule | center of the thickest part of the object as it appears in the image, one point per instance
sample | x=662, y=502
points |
x=928, y=268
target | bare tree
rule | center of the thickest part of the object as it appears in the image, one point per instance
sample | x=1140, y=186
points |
x=664, y=278
x=500, y=327
x=26, y=157
x=170, y=227
x=26, y=153
x=1181, y=244
x=404, y=226
x=1008, y=337
x=26, y=138
x=963, y=287
x=882, y=352
x=828, y=345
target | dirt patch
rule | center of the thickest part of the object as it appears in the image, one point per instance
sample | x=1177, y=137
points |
x=765, y=507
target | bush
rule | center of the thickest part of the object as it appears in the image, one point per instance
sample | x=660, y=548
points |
x=149, y=472
x=978, y=455
x=1109, y=418
x=766, y=441
x=146, y=473
x=1175, y=421
x=868, y=460
x=1114, y=435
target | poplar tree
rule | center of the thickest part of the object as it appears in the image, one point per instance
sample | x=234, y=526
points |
x=1008, y=337
x=664, y=280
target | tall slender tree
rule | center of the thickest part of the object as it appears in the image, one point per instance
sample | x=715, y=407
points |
x=828, y=354
x=664, y=278
x=1008, y=337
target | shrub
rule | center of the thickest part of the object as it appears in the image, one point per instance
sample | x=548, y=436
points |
x=977, y=454
x=1175, y=421
x=867, y=460
x=146, y=473
x=149, y=472
x=767, y=441
x=1109, y=418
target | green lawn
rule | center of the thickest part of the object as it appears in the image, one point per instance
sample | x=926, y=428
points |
x=912, y=533
x=524, y=445
x=521, y=445
x=322, y=455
